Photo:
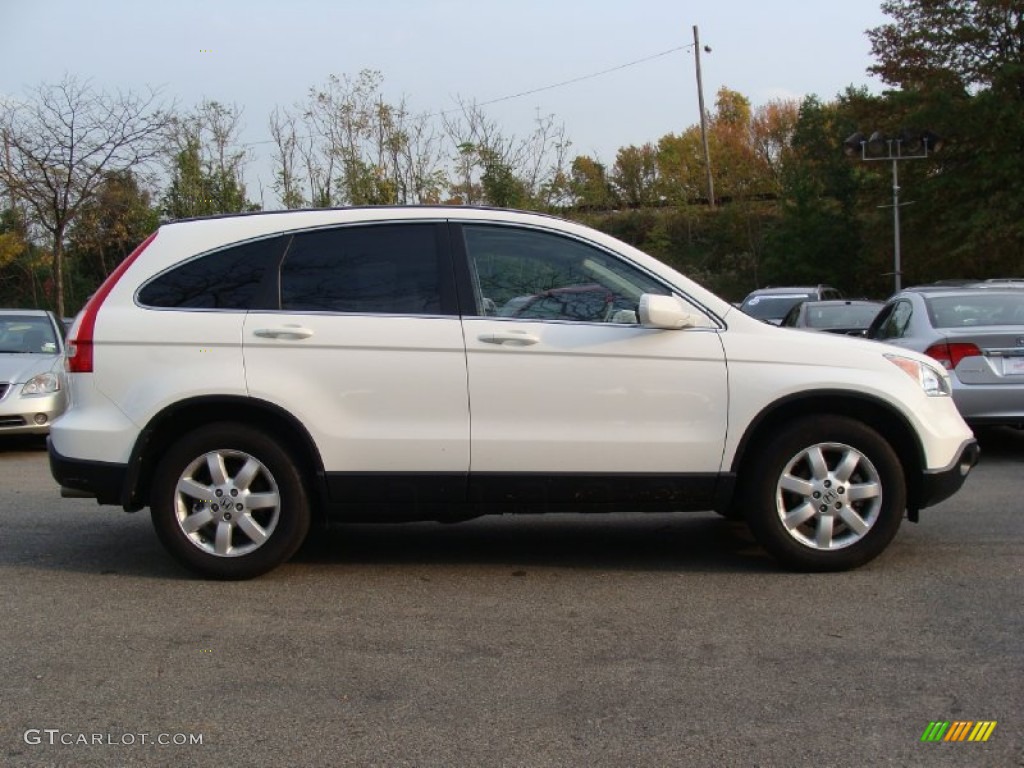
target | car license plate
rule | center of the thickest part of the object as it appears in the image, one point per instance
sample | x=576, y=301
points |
x=1013, y=365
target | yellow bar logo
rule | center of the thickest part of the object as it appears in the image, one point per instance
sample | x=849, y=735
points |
x=958, y=730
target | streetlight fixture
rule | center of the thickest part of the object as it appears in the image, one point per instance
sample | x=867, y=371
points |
x=907, y=145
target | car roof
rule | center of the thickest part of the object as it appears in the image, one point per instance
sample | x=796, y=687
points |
x=447, y=210
x=840, y=302
x=31, y=312
x=788, y=289
x=976, y=289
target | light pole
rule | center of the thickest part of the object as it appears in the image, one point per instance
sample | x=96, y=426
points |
x=908, y=145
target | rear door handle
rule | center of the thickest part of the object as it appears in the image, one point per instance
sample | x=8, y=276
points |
x=286, y=332
x=509, y=338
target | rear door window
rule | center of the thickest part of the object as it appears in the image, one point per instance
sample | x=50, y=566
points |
x=374, y=269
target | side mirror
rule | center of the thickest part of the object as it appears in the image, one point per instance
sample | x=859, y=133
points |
x=665, y=312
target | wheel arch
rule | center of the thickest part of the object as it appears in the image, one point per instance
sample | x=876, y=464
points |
x=178, y=419
x=875, y=413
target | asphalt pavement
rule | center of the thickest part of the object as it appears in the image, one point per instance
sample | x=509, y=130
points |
x=562, y=640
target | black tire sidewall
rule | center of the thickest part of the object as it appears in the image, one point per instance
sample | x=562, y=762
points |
x=760, y=488
x=293, y=522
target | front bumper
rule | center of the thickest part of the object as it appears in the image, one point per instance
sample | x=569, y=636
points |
x=938, y=485
x=30, y=414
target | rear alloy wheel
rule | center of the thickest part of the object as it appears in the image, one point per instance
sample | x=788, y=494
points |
x=229, y=503
x=828, y=496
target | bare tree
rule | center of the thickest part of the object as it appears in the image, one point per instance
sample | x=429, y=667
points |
x=504, y=170
x=287, y=180
x=206, y=161
x=58, y=144
x=360, y=149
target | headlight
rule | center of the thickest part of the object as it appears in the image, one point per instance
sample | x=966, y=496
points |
x=43, y=384
x=934, y=382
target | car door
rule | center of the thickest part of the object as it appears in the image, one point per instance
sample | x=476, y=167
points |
x=573, y=402
x=365, y=348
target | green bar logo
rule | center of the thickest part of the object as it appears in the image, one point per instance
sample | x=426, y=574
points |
x=958, y=730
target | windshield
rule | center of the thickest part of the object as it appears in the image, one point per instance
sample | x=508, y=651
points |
x=773, y=307
x=27, y=334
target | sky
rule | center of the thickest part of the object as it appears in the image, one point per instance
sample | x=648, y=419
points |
x=259, y=54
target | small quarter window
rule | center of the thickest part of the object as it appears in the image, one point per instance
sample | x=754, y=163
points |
x=225, y=279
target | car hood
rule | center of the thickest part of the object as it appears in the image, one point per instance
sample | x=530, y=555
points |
x=18, y=368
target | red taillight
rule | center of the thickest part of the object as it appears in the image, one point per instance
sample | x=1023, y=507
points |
x=79, y=346
x=950, y=354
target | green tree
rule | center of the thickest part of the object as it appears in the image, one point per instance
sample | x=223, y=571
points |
x=958, y=66
x=108, y=228
x=589, y=188
x=635, y=176
x=817, y=239
x=681, y=171
x=500, y=184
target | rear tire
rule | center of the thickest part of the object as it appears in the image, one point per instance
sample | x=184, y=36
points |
x=229, y=503
x=828, y=494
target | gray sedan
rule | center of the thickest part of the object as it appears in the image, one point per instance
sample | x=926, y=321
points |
x=32, y=391
x=977, y=333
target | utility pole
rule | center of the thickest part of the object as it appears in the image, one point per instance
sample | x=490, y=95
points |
x=703, y=118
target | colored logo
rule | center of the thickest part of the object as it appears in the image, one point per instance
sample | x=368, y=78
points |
x=958, y=730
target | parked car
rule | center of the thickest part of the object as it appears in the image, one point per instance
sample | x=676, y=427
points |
x=976, y=332
x=844, y=316
x=1010, y=282
x=246, y=375
x=772, y=304
x=32, y=390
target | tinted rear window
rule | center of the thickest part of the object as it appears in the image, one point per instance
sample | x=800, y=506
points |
x=378, y=269
x=972, y=310
x=226, y=279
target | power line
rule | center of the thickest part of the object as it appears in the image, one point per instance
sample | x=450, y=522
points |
x=532, y=91
x=578, y=79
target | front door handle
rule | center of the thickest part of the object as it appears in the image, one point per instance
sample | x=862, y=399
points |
x=286, y=332
x=509, y=338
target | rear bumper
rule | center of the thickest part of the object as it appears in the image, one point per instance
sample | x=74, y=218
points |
x=989, y=404
x=98, y=479
x=938, y=485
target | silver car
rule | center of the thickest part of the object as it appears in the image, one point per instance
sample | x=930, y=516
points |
x=977, y=333
x=32, y=389
x=772, y=304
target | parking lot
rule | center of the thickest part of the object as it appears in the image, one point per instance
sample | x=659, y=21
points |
x=618, y=640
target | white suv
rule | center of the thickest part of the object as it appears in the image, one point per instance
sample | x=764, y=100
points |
x=245, y=376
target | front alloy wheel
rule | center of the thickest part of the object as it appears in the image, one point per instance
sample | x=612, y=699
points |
x=829, y=496
x=826, y=494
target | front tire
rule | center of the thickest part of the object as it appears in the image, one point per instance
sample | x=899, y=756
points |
x=829, y=494
x=229, y=503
